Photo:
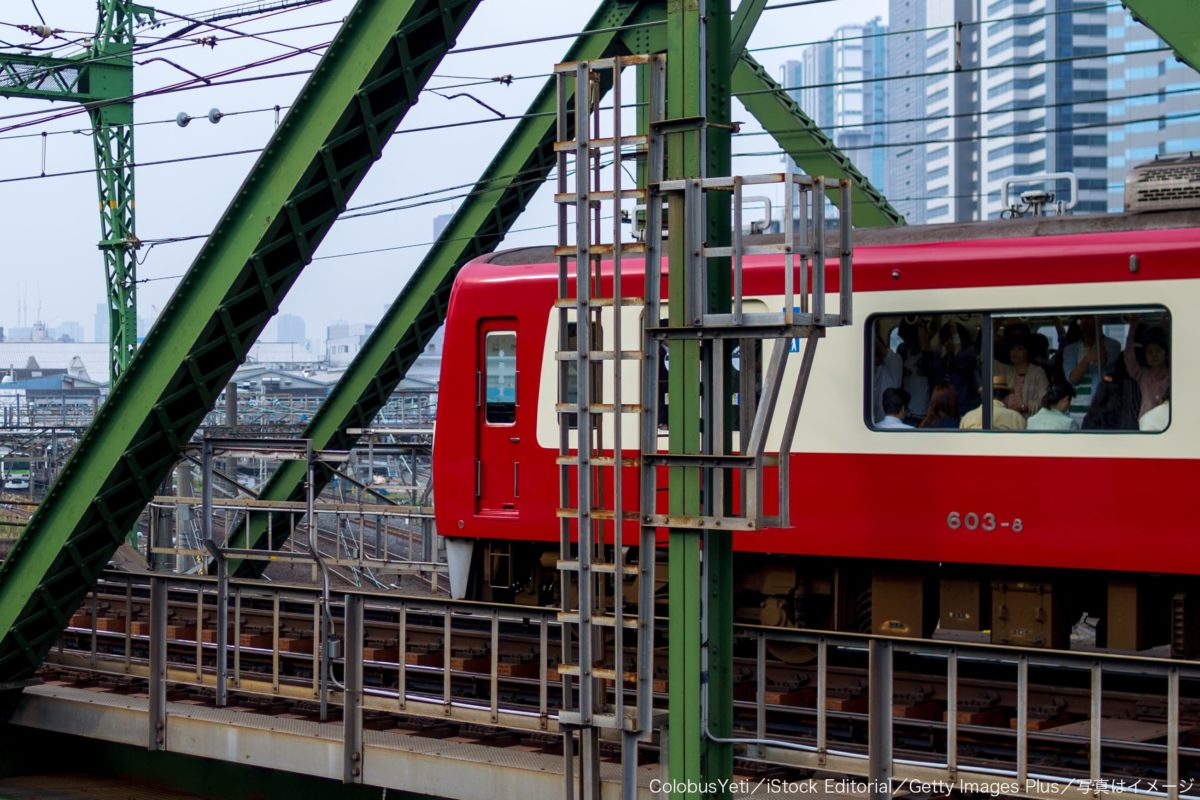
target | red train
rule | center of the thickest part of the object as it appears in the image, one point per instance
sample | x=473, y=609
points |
x=1012, y=528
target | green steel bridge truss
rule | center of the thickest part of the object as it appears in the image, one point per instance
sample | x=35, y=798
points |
x=355, y=99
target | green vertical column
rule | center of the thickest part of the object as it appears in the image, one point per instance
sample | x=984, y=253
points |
x=697, y=92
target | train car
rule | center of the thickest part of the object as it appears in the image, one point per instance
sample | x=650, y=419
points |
x=1057, y=504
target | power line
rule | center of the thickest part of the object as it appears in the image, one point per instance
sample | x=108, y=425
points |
x=930, y=28
x=1170, y=117
x=988, y=112
x=208, y=82
x=963, y=70
x=554, y=37
x=375, y=250
x=39, y=11
x=159, y=163
x=143, y=123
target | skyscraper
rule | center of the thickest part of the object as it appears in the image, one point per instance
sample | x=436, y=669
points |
x=950, y=151
x=905, y=55
x=101, y=323
x=837, y=83
x=1152, y=102
x=1018, y=90
x=289, y=328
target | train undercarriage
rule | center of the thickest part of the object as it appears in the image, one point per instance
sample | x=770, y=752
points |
x=1017, y=606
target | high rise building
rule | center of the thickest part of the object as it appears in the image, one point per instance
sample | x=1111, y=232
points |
x=951, y=98
x=837, y=83
x=72, y=330
x=1037, y=118
x=101, y=323
x=1152, y=101
x=1017, y=89
x=289, y=328
x=905, y=102
x=440, y=222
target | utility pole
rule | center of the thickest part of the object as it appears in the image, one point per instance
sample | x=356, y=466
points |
x=102, y=80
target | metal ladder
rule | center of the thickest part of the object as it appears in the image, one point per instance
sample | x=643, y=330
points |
x=797, y=326
x=608, y=650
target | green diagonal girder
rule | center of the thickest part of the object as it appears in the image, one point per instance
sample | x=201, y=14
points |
x=477, y=228
x=481, y=223
x=1177, y=22
x=803, y=140
x=368, y=79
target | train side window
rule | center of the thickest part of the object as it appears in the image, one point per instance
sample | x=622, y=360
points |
x=930, y=364
x=1090, y=370
x=1115, y=366
x=500, y=396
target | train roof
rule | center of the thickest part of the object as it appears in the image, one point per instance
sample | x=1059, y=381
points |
x=948, y=233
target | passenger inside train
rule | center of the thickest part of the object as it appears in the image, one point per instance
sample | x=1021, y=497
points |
x=1048, y=365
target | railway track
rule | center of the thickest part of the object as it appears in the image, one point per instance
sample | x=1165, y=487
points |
x=491, y=671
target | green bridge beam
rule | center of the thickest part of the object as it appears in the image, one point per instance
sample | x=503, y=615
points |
x=368, y=79
x=1176, y=22
x=477, y=228
x=484, y=218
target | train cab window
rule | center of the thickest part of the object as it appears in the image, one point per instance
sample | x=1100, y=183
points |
x=1091, y=370
x=500, y=365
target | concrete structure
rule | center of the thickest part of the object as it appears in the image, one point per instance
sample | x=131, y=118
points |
x=283, y=355
x=84, y=359
x=343, y=340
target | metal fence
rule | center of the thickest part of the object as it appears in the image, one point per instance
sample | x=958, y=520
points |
x=930, y=715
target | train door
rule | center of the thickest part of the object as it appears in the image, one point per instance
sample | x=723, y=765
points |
x=497, y=468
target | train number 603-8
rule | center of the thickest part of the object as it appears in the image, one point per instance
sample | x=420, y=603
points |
x=974, y=521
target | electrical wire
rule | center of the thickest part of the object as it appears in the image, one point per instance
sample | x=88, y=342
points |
x=1162, y=118
x=962, y=71
x=208, y=78
x=159, y=163
x=144, y=123
x=931, y=28
x=989, y=112
x=537, y=39
x=255, y=36
x=39, y=12
x=373, y=251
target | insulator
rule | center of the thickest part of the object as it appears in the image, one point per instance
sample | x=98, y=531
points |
x=214, y=115
x=182, y=119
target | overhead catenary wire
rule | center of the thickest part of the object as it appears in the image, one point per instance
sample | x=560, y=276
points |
x=983, y=136
x=965, y=70
x=207, y=79
x=1101, y=100
x=931, y=28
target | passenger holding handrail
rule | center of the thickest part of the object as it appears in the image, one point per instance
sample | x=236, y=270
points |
x=1154, y=379
x=1087, y=362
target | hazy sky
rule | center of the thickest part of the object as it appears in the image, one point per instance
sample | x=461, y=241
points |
x=50, y=226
